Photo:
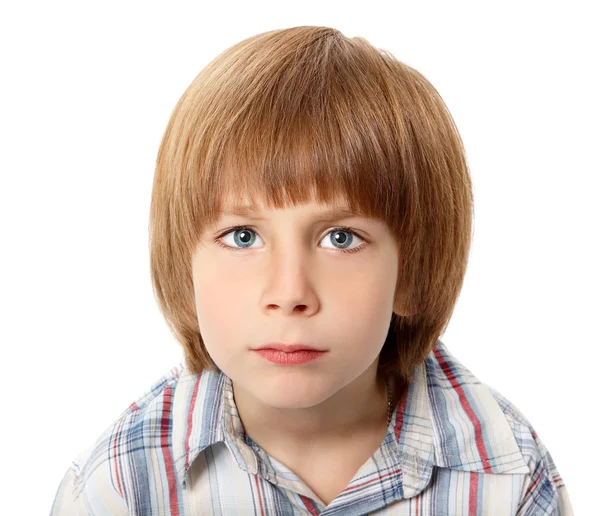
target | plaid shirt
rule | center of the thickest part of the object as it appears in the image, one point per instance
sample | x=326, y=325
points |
x=455, y=446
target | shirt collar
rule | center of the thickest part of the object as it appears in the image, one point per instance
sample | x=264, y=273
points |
x=445, y=418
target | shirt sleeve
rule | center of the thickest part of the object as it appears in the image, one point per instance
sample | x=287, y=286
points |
x=544, y=491
x=95, y=498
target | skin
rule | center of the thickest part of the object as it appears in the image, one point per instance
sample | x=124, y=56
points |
x=293, y=285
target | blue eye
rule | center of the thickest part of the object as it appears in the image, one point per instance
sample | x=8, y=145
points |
x=245, y=236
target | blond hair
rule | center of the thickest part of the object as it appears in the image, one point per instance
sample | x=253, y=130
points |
x=293, y=113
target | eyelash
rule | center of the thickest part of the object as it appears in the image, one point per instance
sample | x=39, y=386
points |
x=234, y=228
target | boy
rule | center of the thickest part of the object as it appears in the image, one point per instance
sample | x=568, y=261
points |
x=310, y=229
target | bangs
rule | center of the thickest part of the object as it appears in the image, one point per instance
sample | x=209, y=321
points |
x=290, y=147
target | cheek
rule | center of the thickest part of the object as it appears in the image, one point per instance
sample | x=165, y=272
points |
x=370, y=287
x=365, y=304
x=221, y=308
x=366, y=309
x=211, y=303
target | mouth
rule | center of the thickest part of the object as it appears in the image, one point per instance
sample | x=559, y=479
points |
x=288, y=348
x=287, y=358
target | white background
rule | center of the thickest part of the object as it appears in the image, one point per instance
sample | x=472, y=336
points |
x=86, y=93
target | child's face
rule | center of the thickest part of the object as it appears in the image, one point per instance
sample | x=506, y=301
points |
x=289, y=282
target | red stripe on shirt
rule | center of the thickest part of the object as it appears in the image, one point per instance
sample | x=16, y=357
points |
x=189, y=420
x=465, y=404
x=165, y=446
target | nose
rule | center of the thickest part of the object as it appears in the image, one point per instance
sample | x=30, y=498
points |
x=291, y=282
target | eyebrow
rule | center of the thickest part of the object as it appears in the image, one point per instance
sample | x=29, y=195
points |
x=328, y=215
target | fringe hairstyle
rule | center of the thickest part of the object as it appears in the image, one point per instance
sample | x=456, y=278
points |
x=294, y=113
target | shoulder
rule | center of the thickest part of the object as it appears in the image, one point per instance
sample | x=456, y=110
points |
x=477, y=429
x=535, y=454
x=487, y=420
x=99, y=476
x=153, y=395
x=525, y=435
x=471, y=432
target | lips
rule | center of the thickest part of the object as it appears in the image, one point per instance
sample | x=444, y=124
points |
x=282, y=358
